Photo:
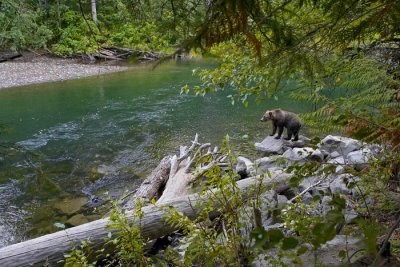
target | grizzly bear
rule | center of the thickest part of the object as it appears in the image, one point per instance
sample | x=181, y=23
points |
x=280, y=119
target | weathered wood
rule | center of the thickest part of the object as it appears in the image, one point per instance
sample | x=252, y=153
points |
x=177, y=186
x=6, y=56
x=151, y=186
x=49, y=249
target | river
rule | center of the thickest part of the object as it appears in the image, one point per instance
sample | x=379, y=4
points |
x=80, y=138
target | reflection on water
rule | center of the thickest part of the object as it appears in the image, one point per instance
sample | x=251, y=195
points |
x=77, y=139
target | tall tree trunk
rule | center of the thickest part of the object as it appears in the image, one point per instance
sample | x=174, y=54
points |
x=94, y=12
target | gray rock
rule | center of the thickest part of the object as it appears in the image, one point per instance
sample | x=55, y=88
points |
x=303, y=141
x=342, y=145
x=299, y=154
x=325, y=204
x=270, y=145
x=244, y=167
x=307, y=198
x=338, y=184
x=360, y=156
x=241, y=169
x=270, y=201
x=339, y=162
x=327, y=255
x=350, y=215
x=334, y=154
x=375, y=149
x=282, y=200
x=266, y=163
x=307, y=182
x=317, y=155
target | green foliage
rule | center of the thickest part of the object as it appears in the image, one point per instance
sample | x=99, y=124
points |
x=80, y=36
x=124, y=238
x=21, y=27
x=128, y=240
x=78, y=257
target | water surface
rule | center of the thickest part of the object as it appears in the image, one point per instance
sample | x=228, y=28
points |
x=76, y=139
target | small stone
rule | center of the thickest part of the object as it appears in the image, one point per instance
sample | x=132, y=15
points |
x=70, y=206
x=77, y=220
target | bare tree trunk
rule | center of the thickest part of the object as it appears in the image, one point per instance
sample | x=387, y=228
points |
x=94, y=12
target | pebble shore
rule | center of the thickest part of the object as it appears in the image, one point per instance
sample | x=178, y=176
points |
x=44, y=69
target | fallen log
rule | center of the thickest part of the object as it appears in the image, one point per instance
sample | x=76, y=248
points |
x=151, y=186
x=50, y=249
x=7, y=56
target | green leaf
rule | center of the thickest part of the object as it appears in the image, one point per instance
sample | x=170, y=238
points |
x=289, y=243
x=302, y=250
x=342, y=254
x=260, y=236
x=275, y=235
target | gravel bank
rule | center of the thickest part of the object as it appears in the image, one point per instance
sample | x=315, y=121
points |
x=43, y=69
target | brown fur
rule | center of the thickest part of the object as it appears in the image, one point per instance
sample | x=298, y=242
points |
x=283, y=119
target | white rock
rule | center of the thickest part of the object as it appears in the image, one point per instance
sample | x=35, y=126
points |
x=298, y=154
x=270, y=145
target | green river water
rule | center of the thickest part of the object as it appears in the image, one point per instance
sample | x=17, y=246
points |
x=76, y=139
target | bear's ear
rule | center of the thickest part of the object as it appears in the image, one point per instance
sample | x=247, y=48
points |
x=271, y=116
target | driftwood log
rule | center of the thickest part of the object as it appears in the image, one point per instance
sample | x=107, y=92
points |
x=175, y=173
x=151, y=186
x=6, y=56
x=120, y=53
x=50, y=249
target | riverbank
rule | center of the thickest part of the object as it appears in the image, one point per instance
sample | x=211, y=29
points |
x=30, y=69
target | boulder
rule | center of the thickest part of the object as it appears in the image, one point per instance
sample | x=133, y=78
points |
x=266, y=163
x=339, y=184
x=359, y=156
x=339, y=162
x=307, y=198
x=299, y=154
x=244, y=167
x=309, y=181
x=325, y=204
x=302, y=142
x=341, y=145
x=270, y=145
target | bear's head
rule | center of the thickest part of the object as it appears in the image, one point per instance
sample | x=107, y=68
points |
x=267, y=116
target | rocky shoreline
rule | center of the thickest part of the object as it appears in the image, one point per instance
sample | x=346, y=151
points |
x=31, y=69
